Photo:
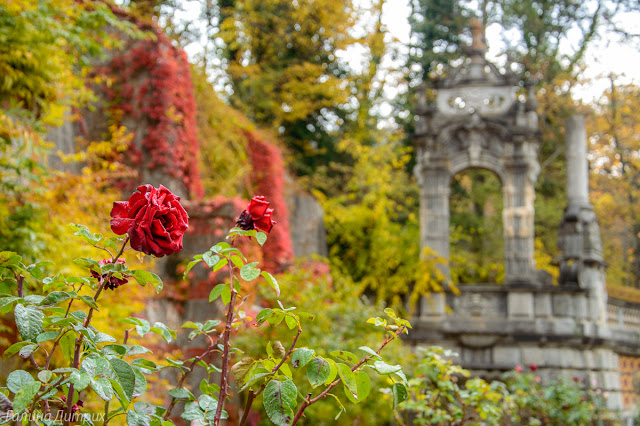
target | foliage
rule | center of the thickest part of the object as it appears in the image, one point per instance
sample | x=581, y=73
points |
x=442, y=393
x=311, y=288
x=372, y=232
x=284, y=70
x=72, y=359
x=477, y=242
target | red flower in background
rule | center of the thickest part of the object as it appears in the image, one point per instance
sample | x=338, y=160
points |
x=154, y=220
x=257, y=215
x=113, y=282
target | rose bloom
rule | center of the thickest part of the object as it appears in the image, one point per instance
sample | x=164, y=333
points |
x=533, y=367
x=113, y=282
x=257, y=215
x=154, y=220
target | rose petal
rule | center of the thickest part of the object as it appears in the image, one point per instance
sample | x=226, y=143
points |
x=257, y=207
x=121, y=226
x=120, y=209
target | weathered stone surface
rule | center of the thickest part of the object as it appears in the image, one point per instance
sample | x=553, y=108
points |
x=520, y=304
x=507, y=356
x=306, y=222
x=542, y=305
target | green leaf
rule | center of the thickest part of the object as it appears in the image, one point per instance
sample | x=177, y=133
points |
x=400, y=394
x=207, y=403
x=120, y=394
x=44, y=376
x=318, y=370
x=261, y=238
x=220, y=265
x=272, y=282
x=7, y=302
x=301, y=356
x=291, y=322
x=364, y=385
x=348, y=378
x=383, y=368
x=226, y=294
x=46, y=336
x=138, y=419
x=26, y=351
x=210, y=259
x=369, y=351
x=216, y=292
x=145, y=277
x=102, y=388
x=237, y=260
x=180, y=393
x=164, y=331
x=80, y=380
x=25, y=395
x=345, y=356
x=332, y=373
x=140, y=385
x=190, y=265
x=88, y=263
x=67, y=344
x=279, y=400
x=126, y=376
x=192, y=412
x=143, y=328
x=263, y=316
x=89, y=301
x=14, y=349
x=248, y=272
x=29, y=322
x=17, y=379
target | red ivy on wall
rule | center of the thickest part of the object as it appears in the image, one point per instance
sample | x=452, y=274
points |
x=152, y=95
x=267, y=173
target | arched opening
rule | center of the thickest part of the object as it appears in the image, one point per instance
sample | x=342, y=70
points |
x=476, y=227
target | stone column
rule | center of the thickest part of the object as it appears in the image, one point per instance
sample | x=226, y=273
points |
x=434, y=212
x=519, y=195
x=577, y=164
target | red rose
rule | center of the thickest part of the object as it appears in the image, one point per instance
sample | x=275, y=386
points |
x=533, y=367
x=113, y=282
x=257, y=215
x=154, y=220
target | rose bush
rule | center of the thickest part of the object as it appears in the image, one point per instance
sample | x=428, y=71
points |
x=154, y=220
x=111, y=282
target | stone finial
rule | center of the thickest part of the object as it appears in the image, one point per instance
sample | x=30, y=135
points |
x=577, y=163
x=477, y=34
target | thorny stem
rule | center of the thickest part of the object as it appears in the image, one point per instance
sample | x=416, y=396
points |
x=106, y=413
x=225, y=351
x=308, y=401
x=185, y=374
x=253, y=395
x=78, y=344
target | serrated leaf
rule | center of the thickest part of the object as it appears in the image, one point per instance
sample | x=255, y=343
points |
x=220, y=265
x=29, y=322
x=301, y=357
x=400, y=394
x=318, y=370
x=89, y=301
x=241, y=368
x=261, y=238
x=272, y=282
x=44, y=376
x=207, y=403
x=263, y=316
x=88, y=263
x=138, y=419
x=180, y=393
x=216, y=292
x=192, y=412
x=102, y=388
x=248, y=272
x=279, y=400
x=140, y=385
x=210, y=259
x=364, y=385
x=67, y=345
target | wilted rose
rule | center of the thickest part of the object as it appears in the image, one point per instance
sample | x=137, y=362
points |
x=112, y=282
x=257, y=215
x=154, y=220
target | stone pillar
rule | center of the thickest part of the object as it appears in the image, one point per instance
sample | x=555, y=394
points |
x=434, y=212
x=577, y=165
x=519, y=195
